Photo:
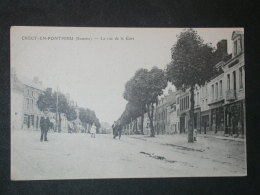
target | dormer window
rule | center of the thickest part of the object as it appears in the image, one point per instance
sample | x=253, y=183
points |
x=237, y=38
x=235, y=48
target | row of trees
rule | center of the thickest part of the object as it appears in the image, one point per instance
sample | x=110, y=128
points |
x=88, y=118
x=192, y=64
x=57, y=102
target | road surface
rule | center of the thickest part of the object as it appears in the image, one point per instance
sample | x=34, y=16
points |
x=78, y=156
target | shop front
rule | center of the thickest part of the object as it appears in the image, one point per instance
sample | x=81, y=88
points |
x=205, y=121
x=235, y=118
x=217, y=117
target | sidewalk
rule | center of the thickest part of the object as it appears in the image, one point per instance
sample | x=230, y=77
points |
x=204, y=143
x=220, y=135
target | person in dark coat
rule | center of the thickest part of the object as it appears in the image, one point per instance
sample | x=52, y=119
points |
x=114, y=130
x=117, y=129
x=45, y=125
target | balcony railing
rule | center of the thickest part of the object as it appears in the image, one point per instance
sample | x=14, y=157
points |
x=230, y=94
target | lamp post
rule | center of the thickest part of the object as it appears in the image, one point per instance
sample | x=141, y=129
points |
x=57, y=101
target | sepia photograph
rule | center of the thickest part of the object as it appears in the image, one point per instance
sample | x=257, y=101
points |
x=101, y=103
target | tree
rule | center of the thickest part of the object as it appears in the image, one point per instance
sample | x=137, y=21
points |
x=134, y=93
x=88, y=117
x=98, y=125
x=61, y=106
x=45, y=100
x=71, y=114
x=130, y=113
x=192, y=63
x=48, y=101
x=155, y=83
x=143, y=90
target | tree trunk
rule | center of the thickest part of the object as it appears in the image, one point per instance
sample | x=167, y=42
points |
x=191, y=120
x=142, y=124
x=135, y=126
x=59, y=124
x=150, y=115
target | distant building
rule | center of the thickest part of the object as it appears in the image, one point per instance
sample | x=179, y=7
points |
x=183, y=107
x=31, y=113
x=166, y=106
x=17, y=98
x=171, y=115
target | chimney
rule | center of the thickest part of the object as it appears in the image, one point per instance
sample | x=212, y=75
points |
x=35, y=80
x=222, y=49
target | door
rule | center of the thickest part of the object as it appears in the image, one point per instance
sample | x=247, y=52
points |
x=182, y=124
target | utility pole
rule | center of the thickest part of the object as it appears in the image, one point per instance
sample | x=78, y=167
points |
x=57, y=101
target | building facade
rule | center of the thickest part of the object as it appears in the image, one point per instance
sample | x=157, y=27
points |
x=31, y=113
x=17, y=98
x=166, y=114
x=234, y=73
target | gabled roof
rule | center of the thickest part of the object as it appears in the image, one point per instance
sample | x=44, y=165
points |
x=30, y=83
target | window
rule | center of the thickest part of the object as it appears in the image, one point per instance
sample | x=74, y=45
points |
x=27, y=103
x=28, y=92
x=216, y=91
x=228, y=82
x=32, y=104
x=178, y=100
x=240, y=78
x=212, y=92
x=220, y=88
x=195, y=99
x=198, y=99
x=234, y=80
x=188, y=102
x=32, y=94
x=25, y=119
x=32, y=118
x=235, y=48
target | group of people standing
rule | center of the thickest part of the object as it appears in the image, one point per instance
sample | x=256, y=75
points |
x=46, y=125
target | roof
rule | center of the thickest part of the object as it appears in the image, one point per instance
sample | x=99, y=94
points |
x=31, y=83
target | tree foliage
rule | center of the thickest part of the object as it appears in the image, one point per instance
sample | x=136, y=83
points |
x=134, y=93
x=45, y=100
x=156, y=82
x=88, y=117
x=142, y=91
x=71, y=114
x=192, y=63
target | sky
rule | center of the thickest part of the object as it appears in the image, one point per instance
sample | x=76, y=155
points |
x=91, y=67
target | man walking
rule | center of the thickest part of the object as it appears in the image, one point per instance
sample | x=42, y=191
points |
x=114, y=129
x=45, y=125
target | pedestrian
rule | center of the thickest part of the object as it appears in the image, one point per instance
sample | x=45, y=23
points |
x=45, y=125
x=119, y=130
x=93, y=131
x=114, y=129
x=195, y=134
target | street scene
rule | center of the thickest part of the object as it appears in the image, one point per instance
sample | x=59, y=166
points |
x=90, y=103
